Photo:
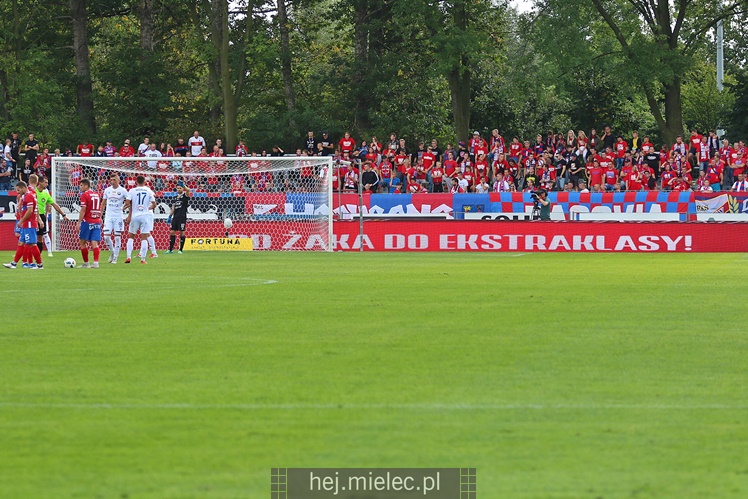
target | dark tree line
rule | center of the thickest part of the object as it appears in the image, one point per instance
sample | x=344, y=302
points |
x=269, y=70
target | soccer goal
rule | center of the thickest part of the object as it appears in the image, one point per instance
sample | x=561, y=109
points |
x=281, y=203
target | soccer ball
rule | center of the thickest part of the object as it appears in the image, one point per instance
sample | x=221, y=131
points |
x=228, y=223
x=69, y=263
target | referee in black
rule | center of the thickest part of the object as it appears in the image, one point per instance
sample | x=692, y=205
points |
x=178, y=217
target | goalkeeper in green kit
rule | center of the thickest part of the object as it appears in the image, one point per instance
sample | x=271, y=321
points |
x=45, y=199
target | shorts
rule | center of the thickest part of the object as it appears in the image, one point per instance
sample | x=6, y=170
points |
x=90, y=232
x=40, y=231
x=116, y=225
x=178, y=224
x=143, y=223
x=17, y=229
x=28, y=236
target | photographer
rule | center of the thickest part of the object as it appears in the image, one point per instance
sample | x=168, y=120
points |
x=540, y=198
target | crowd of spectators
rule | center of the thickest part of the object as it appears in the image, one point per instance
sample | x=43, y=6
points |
x=557, y=162
x=575, y=162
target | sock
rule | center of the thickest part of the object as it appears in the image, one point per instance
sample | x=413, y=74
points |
x=182, y=239
x=96, y=252
x=117, y=245
x=26, y=254
x=39, y=245
x=109, y=243
x=84, y=253
x=152, y=245
x=36, y=254
x=48, y=243
x=19, y=254
x=143, y=249
x=172, y=240
x=129, y=248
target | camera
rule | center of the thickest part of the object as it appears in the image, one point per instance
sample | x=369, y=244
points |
x=535, y=195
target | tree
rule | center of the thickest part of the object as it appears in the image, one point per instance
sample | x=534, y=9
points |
x=738, y=119
x=79, y=18
x=704, y=107
x=285, y=55
x=658, y=40
x=455, y=36
x=229, y=35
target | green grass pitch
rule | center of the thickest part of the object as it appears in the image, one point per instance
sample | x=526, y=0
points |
x=556, y=376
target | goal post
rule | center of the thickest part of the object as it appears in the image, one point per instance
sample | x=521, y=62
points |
x=282, y=203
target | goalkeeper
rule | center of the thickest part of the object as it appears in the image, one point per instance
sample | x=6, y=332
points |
x=178, y=217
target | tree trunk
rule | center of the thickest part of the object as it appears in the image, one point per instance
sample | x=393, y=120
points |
x=146, y=29
x=230, y=111
x=362, y=96
x=673, y=111
x=459, y=86
x=79, y=14
x=459, y=78
x=285, y=56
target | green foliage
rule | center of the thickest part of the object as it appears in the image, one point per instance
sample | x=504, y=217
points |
x=704, y=107
x=41, y=103
x=738, y=117
x=366, y=66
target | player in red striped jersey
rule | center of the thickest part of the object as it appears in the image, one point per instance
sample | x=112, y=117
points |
x=89, y=224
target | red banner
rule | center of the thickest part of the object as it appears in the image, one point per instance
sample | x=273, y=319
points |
x=542, y=236
x=474, y=236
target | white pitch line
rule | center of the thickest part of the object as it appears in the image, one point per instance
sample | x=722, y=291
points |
x=257, y=282
x=341, y=406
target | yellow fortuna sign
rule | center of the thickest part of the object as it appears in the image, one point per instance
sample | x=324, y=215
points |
x=218, y=243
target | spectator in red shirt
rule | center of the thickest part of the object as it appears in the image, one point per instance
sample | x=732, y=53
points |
x=714, y=172
x=634, y=179
x=346, y=144
x=515, y=149
x=126, y=151
x=481, y=165
x=610, y=175
x=620, y=151
x=647, y=145
x=43, y=164
x=667, y=176
x=437, y=177
x=385, y=170
x=595, y=173
x=694, y=146
x=85, y=150
x=649, y=183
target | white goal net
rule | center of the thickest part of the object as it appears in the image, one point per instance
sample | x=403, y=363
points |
x=281, y=203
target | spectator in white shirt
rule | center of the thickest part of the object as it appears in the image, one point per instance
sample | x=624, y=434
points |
x=143, y=147
x=196, y=143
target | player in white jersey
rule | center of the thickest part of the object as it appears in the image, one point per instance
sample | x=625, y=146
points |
x=152, y=152
x=141, y=200
x=114, y=219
